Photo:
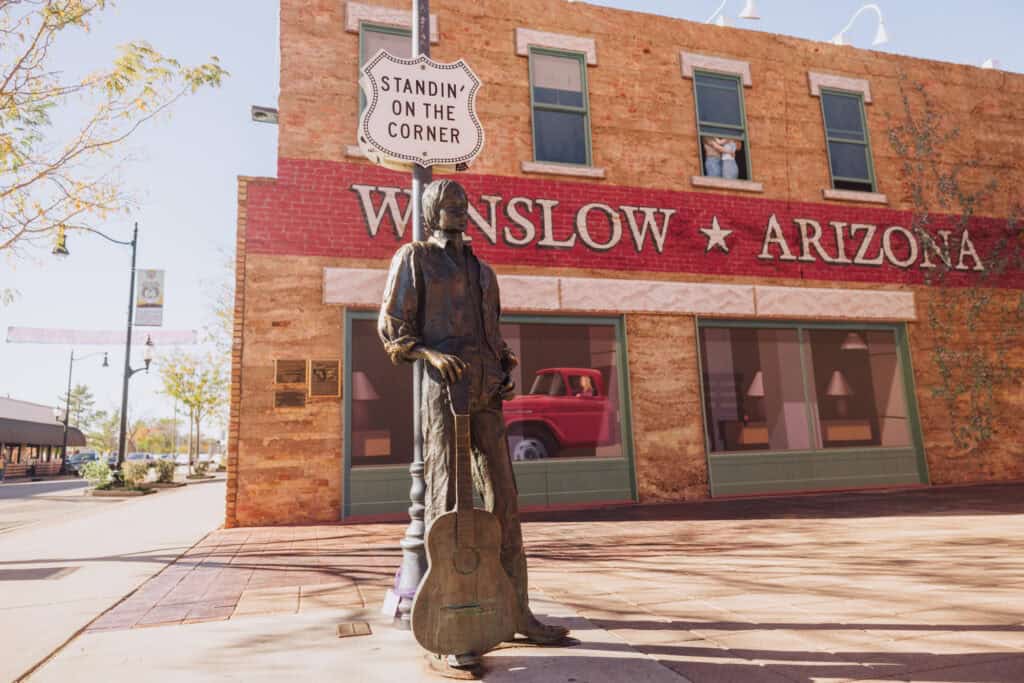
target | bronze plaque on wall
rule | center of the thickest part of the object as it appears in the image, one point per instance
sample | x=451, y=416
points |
x=289, y=398
x=289, y=372
x=325, y=378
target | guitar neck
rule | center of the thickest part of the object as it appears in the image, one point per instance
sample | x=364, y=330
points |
x=463, y=479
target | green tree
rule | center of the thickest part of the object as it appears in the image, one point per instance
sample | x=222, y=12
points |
x=62, y=176
x=103, y=435
x=107, y=430
x=201, y=384
x=82, y=413
x=155, y=436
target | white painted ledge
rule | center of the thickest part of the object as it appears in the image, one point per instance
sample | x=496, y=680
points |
x=354, y=286
x=834, y=304
x=525, y=37
x=357, y=13
x=562, y=169
x=364, y=287
x=726, y=184
x=817, y=80
x=690, y=60
x=854, y=196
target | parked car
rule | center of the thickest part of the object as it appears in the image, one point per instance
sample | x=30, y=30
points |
x=140, y=457
x=76, y=461
x=166, y=456
x=565, y=408
x=181, y=459
x=211, y=461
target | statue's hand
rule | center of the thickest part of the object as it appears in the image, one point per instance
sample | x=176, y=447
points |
x=508, y=388
x=450, y=367
x=510, y=361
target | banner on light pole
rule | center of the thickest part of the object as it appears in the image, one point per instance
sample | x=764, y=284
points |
x=149, y=298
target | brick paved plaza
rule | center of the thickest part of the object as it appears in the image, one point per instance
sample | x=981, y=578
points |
x=912, y=585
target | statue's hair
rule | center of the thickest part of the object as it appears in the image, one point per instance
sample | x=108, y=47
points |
x=431, y=201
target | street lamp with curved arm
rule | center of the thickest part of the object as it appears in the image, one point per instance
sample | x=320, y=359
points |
x=881, y=35
x=67, y=396
x=60, y=249
x=718, y=17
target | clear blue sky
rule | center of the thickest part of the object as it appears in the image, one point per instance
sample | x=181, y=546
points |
x=185, y=166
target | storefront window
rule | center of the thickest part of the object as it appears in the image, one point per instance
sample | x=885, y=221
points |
x=792, y=389
x=568, y=402
x=857, y=390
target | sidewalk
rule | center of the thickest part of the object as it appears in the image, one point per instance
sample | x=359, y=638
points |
x=57, y=577
x=924, y=585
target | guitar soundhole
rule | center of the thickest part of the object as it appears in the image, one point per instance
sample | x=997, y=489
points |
x=466, y=560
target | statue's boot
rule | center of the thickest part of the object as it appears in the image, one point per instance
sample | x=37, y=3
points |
x=539, y=633
x=461, y=667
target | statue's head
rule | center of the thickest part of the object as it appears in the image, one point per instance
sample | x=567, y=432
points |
x=444, y=206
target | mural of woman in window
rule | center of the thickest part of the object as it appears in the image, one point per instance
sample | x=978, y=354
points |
x=720, y=157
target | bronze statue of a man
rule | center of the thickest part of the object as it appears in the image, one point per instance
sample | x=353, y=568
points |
x=441, y=304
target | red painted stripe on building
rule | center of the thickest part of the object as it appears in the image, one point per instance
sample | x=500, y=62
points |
x=313, y=210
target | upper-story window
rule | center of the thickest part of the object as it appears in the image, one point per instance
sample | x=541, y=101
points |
x=373, y=37
x=846, y=134
x=721, y=125
x=561, y=117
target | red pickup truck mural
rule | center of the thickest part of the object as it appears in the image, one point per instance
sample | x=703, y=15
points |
x=565, y=408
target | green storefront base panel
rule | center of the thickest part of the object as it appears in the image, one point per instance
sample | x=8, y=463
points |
x=378, y=491
x=385, y=490
x=587, y=481
x=739, y=474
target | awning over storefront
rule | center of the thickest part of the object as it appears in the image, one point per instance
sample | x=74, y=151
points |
x=38, y=433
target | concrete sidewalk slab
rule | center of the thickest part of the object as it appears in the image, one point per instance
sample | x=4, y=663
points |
x=915, y=585
x=306, y=647
x=103, y=557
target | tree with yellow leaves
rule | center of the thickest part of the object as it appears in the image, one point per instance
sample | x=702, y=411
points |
x=200, y=383
x=51, y=178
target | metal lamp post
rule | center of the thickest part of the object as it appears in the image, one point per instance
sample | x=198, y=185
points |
x=414, y=559
x=61, y=249
x=67, y=396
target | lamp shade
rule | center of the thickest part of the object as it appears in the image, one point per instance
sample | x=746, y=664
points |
x=362, y=388
x=756, y=389
x=854, y=342
x=881, y=35
x=750, y=11
x=838, y=386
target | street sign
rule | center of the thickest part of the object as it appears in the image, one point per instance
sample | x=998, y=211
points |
x=419, y=111
x=149, y=298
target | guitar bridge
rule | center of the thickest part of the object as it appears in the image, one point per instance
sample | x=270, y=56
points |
x=470, y=608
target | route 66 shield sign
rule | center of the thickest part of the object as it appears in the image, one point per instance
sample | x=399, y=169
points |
x=419, y=111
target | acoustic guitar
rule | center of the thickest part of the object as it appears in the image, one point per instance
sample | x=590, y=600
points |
x=466, y=602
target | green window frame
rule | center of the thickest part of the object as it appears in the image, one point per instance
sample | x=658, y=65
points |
x=840, y=136
x=584, y=110
x=559, y=470
x=724, y=465
x=365, y=28
x=709, y=78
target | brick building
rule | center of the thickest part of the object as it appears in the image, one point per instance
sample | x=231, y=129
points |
x=708, y=223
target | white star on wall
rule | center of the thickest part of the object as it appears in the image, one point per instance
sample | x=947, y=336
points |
x=716, y=236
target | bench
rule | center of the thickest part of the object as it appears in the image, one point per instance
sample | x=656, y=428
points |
x=48, y=469
x=12, y=470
